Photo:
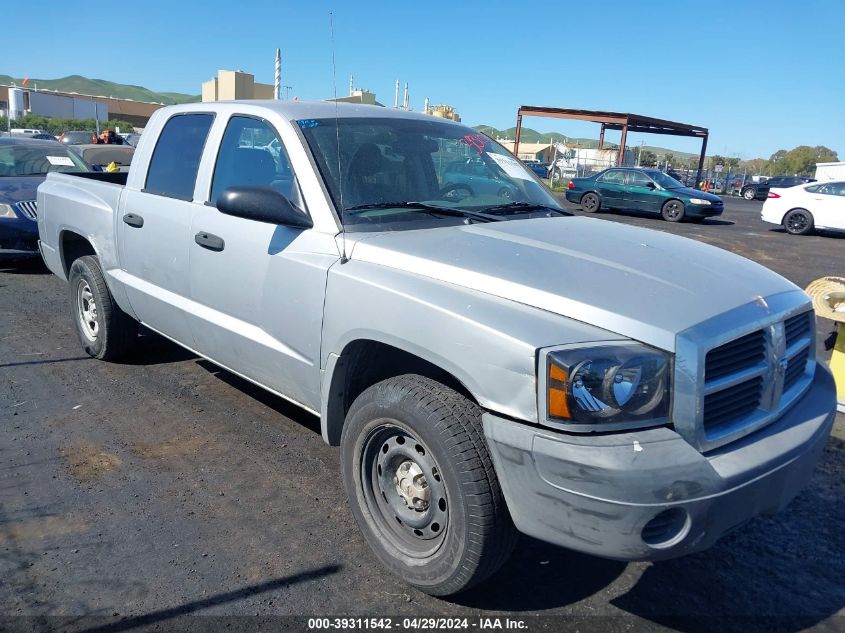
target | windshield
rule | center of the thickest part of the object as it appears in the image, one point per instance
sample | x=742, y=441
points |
x=664, y=180
x=35, y=160
x=401, y=160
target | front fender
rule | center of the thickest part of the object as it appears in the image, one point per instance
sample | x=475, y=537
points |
x=487, y=343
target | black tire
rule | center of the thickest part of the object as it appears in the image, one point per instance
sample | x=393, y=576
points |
x=590, y=203
x=749, y=193
x=105, y=331
x=798, y=222
x=441, y=547
x=673, y=211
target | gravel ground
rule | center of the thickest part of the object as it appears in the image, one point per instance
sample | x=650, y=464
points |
x=163, y=486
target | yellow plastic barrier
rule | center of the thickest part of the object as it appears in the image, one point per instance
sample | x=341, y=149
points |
x=828, y=295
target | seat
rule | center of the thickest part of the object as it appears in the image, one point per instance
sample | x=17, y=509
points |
x=365, y=178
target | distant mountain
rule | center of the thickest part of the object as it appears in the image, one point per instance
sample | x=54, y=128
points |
x=102, y=88
x=533, y=136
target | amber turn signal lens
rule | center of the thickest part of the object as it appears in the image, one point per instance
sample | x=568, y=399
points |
x=558, y=404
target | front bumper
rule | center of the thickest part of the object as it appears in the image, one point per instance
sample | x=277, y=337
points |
x=703, y=210
x=18, y=236
x=649, y=494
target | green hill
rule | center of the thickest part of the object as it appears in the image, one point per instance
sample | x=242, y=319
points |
x=103, y=88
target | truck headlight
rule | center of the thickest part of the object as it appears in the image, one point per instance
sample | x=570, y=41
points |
x=608, y=386
x=699, y=201
x=6, y=211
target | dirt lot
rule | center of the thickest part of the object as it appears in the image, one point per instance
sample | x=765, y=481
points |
x=164, y=486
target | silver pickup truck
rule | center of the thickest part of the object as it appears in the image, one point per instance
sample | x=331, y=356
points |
x=487, y=363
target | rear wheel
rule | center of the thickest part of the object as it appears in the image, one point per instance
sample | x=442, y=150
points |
x=798, y=222
x=590, y=202
x=749, y=194
x=673, y=211
x=105, y=331
x=421, y=484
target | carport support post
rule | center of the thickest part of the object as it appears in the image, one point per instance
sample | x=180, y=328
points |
x=601, y=137
x=620, y=158
x=701, y=162
x=518, y=133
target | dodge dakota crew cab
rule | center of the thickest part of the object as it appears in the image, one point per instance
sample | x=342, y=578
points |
x=487, y=363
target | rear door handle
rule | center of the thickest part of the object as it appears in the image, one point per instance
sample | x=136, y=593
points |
x=209, y=241
x=133, y=220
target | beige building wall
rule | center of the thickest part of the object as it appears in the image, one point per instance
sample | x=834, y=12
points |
x=234, y=84
x=209, y=90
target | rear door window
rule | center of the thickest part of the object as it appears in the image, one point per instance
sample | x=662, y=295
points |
x=176, y=158
x=614, y=177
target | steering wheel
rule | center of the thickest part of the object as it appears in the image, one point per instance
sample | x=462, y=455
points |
x=456, y=191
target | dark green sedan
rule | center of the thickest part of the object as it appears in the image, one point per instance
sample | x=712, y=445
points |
x=643, y=190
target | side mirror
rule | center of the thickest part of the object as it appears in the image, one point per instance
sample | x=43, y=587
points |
x=651, y=185
x=262, y=204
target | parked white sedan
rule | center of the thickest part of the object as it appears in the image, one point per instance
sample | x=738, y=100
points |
x=818, y=205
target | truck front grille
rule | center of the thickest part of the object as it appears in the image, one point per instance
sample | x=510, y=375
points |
x=29, y=209
x=732, y=403
x=742, y=384
x=735, y=356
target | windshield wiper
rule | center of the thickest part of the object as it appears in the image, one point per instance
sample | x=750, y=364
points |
x=523, y=207
x=428, y=208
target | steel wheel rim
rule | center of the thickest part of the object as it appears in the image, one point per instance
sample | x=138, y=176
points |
x=797, y=222
x=393, y=462
x=673, y=210
x=749, y=194
x=87, y=310
x=590, y=203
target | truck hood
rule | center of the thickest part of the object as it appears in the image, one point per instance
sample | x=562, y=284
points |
x=643, y=284
x=17, y=188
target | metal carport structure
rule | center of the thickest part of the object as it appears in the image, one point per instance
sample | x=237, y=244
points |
x=625, y=122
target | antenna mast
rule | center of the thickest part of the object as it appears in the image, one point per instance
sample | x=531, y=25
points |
x=343, y=257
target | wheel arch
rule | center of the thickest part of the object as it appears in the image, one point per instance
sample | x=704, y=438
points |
x=72, y=246
x=363, y=363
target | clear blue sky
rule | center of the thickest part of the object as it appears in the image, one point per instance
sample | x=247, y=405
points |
x=760, y=75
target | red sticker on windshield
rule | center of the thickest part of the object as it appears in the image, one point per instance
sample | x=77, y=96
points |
x=476, y=141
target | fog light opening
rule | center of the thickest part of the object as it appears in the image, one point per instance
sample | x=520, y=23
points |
x=667, y=528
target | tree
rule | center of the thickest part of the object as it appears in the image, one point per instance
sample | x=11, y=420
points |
x=800, y=161
x=647, y=158
x=755, y=166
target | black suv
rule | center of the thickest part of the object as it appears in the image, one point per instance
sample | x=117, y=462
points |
x=760, y=190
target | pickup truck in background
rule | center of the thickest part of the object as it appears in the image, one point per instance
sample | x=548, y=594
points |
x=487, y=363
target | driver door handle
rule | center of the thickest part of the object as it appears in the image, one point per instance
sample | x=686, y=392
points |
x=133, y=220
x=209, y=241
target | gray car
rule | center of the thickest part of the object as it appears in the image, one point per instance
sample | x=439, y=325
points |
x=487, y=366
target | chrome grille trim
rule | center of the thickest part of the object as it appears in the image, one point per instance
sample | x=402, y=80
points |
x=786, y=341
x=28, y=208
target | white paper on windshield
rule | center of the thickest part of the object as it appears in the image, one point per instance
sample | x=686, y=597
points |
x=511, y=166
x=60, y=160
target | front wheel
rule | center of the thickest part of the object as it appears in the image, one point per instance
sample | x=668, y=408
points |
x=421, y=485
x=749, y=194
x=105, y=331
x=798, y=222
x=590, y=203
x=673, y=211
